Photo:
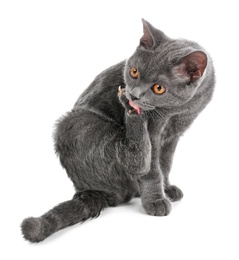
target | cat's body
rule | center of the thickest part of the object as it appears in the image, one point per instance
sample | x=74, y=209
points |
x=113, y=155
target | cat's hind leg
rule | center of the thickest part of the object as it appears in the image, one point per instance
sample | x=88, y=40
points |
x=84, y=205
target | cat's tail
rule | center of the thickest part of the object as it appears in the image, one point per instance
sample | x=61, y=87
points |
x=84, y=205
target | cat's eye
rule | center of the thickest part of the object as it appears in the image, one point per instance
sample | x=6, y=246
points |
x=158, y=89
x=134, y=73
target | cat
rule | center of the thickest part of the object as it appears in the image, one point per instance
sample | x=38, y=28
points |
x=119, y=139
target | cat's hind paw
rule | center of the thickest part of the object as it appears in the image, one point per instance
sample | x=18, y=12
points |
x=173, y=193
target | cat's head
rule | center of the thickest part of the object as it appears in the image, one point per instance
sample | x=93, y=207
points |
x=163, y=72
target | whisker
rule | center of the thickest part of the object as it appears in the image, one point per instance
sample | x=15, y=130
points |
x=160, y=113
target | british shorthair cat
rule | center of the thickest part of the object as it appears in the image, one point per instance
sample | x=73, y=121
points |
x=119, y=139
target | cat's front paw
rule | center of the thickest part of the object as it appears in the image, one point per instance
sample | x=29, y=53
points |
x=121, y=91
x=159, y=207
x=131, y=111
x=173, y=193
x=122, y=97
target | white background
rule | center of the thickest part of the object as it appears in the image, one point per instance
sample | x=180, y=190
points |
x=49, y=53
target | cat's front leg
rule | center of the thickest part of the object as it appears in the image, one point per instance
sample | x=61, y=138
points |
x=166, y=156
x=152, y=195
x=134, y=148
x=151, y=186
x=175, y=127
x=142, y=158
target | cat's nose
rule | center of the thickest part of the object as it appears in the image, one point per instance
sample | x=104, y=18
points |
x=135, y=93
x=133, y=97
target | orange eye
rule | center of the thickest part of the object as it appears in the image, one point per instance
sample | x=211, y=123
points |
x=158, y=89
x=134, y=73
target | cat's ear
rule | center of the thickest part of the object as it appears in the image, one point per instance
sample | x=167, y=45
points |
x=152, y=36
x=192, y=66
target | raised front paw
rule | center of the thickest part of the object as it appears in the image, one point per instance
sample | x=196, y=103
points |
x=123, y=100
x=159, y=207
x=173, y=193
x=131, y=110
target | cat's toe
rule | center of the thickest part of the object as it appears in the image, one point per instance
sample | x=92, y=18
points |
x=159, y=207
x=173, y=193
x=122, y=98
x=121, y=91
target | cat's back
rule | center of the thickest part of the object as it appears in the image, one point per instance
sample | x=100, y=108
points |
x=101, y=95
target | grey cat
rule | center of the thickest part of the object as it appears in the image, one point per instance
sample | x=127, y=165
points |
x=118, y=141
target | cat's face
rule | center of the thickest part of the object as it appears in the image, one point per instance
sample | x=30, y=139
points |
x=163, y=72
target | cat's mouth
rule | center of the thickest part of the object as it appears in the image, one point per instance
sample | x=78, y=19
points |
x=140, y=105
x=137, y=104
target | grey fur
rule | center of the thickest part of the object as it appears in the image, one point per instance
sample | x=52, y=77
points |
x=112, y=155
